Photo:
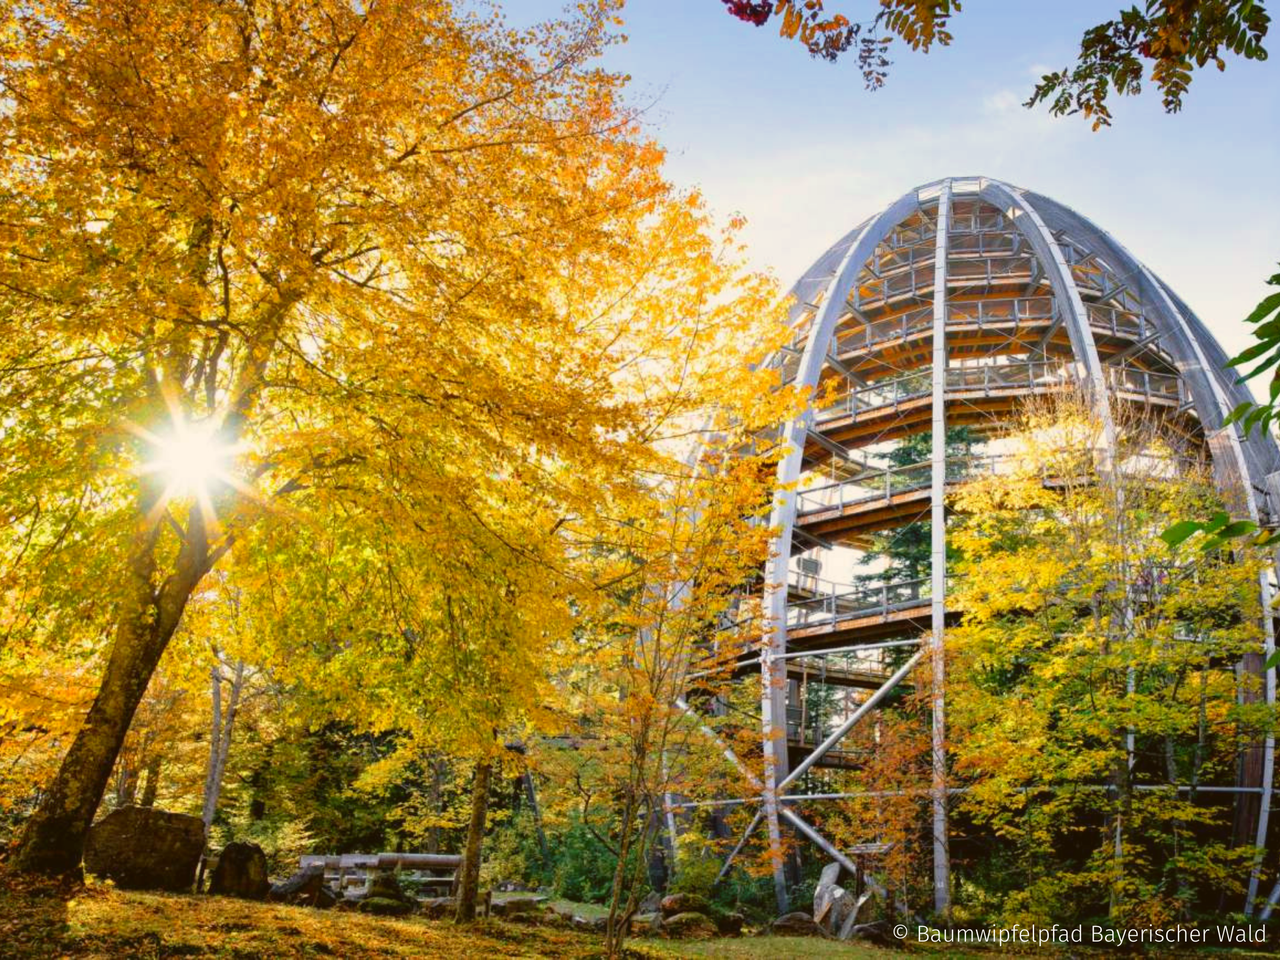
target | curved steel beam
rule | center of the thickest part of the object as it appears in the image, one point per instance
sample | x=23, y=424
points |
x=1049, y=252
x=773, y=681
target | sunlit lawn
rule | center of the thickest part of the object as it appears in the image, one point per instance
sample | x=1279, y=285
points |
x=98, y=921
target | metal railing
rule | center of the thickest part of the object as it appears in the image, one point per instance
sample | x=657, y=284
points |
x=1117, y=322
x=882, y=393
x=1103, y=319
x=845, y=601
x=883, y=483
x=1163, y=386
x=1031, y=375
x=1003, y=311
x=990, y=378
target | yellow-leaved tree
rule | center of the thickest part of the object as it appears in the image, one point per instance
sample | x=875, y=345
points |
x=1095, y=684
x=383, y=308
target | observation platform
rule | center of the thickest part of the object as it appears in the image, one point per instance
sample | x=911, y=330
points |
x=983, y=398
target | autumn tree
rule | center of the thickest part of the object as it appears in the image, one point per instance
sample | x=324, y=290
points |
x=661, y=643
x=330, y=294
x=1164, y=41
x=1093, y=696
x=829, y=35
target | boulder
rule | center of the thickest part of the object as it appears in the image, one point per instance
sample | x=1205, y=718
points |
x=510, y=906
x=303, y=887
x=797, y=924
x=438, y=908
x=825, y=891
x=823, y=898
x=835, y=908
x=384, y=907
x=326, y=898
x=844, y=914
x=241, y=872
x=690, y=926
x=592, y=924
x=684, y=903
x=729, y=924
x=646, y=924
x=880, y=933
x=141, y=848
x=650, y=904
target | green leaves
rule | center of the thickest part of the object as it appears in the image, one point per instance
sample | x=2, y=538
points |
x=1266, y=317
x=1217, y=531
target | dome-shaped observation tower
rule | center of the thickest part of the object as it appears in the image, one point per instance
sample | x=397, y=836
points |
x=945, y=311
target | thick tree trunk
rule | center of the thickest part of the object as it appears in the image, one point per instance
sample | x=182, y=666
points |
x=468, y=889
x=53, y=840
x=54, y=837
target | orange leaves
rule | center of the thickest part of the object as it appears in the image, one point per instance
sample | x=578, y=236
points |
x=463, y=336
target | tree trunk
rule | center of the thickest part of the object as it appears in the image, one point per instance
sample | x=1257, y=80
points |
x=126, y=781
x=531, y=794
x=220, y=740
x=53, y=840
x=620, y=893
x=435, y=789
x=215, y=739
x=153, y=781
x=468, y=889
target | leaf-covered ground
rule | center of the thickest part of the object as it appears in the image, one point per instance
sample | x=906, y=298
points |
x=99, y=921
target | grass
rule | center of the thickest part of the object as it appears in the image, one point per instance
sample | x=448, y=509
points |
x=750, y=948
x=98, y=921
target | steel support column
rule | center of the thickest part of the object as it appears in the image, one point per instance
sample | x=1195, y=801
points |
x=938, y=560
x=742, y=842
x=863, y=709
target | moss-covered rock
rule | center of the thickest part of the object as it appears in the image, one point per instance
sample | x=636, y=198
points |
x=684, y=903
x=690, y=926
x=141, y=848
x=646, y=924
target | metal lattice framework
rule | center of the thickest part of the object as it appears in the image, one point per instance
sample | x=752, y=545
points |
x=946, y=309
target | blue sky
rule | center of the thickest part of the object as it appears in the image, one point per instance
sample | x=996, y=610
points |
x=803, y=152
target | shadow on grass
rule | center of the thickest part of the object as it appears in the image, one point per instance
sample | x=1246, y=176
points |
x=33, y=914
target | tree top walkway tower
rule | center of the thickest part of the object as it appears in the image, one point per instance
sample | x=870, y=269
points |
x=947, y=308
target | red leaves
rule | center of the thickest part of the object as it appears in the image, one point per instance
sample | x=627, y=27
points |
x=752, y=11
